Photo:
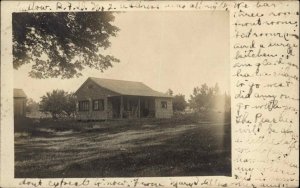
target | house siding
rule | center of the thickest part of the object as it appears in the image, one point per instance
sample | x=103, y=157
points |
x=151, y=106
x=163, y=112
x=90, y=91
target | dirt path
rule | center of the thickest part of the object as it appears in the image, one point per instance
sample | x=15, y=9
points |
x=149, y=150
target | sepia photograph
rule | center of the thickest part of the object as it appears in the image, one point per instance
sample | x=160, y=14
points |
x=121, y=94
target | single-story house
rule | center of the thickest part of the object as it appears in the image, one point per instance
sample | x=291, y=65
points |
x=19, y=103
x=100, y=99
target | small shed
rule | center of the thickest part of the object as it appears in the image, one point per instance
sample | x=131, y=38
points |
x=19, y=103
x=99, y=99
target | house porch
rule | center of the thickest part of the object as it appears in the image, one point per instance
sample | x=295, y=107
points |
x=131, y=107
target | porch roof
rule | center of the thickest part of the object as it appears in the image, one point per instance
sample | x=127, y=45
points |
x=132, y=88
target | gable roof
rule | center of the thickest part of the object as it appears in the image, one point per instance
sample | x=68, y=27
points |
x=123, y=87
x=19, y=93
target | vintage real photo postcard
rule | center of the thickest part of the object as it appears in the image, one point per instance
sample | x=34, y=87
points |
x=187, y=94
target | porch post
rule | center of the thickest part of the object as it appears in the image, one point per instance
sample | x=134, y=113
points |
x=121, y=108
x=139, y=103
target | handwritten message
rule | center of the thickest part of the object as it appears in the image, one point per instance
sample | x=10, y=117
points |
x=264, y=50
x=129, y=182
x=265, y=79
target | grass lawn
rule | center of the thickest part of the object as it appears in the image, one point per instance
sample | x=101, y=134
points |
x=49, y=149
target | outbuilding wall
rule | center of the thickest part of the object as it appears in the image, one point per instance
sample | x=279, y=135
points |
x=19, y=107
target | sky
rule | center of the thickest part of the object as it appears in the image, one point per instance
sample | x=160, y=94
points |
x=170, y=49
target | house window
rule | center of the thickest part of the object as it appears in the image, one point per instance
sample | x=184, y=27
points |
x=84, y=105
x=98, y=105
x=164, y=104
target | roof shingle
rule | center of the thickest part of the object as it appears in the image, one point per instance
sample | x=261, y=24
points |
x=128, y=87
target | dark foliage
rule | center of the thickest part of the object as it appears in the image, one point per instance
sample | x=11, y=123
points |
x=62, y=44
x=170, y=92
x=206, y=99
x=31, y=105
x=59, y=103
x=179, y=103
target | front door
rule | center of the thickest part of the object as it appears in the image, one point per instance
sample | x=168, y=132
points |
x=115, y=101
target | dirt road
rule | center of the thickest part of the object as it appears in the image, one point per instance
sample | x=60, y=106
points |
x=148, y=150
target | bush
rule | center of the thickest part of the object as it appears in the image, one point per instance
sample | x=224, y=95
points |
x=185, y=117
x=59, y=103
x=179, y=103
